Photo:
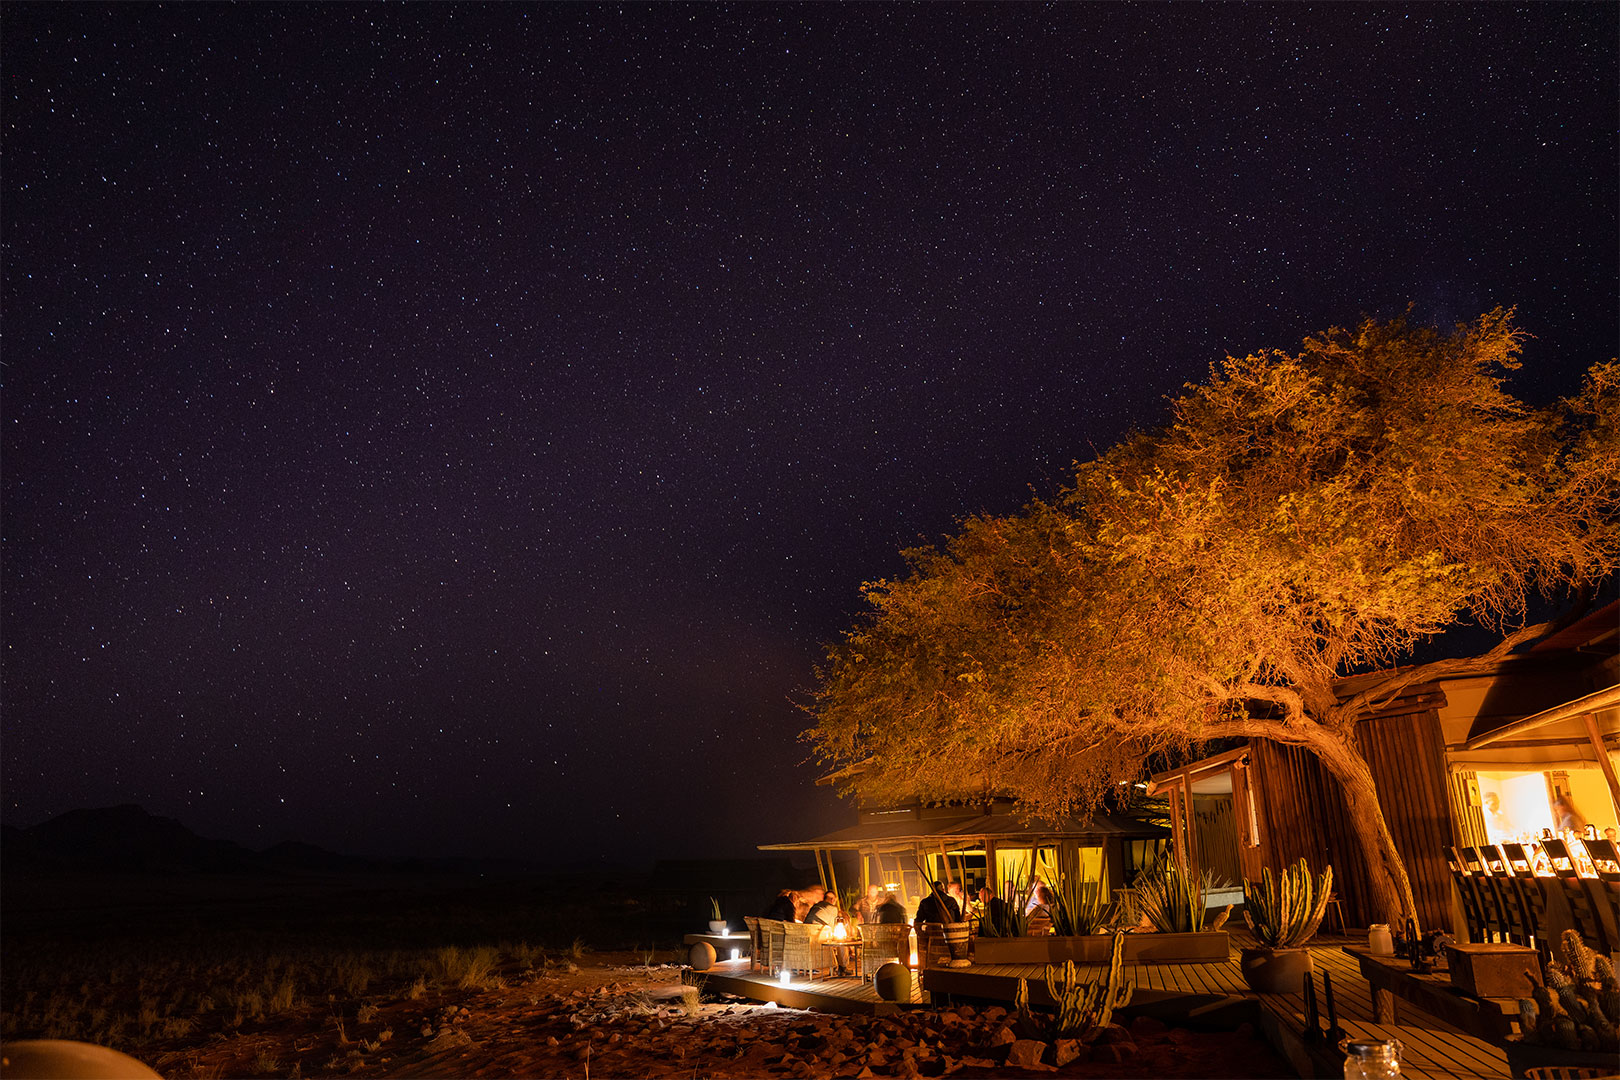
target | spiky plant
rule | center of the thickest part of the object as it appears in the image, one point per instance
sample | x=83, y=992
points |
x=1079, y=907
x=1082, y=1008
x=1283, y=912
x=1576, y=1009
x=1172, y=897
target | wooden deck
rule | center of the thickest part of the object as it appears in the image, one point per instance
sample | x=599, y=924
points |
x=1433, y=1048
x=828, y=995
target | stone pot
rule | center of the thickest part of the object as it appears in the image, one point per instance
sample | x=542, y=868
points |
x=701, y=956
x=717, y=926
x=1276, y=971
x=893, y=982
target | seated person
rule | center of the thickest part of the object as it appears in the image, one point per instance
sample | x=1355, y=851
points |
x=889, y=909
x=866, y=908
x=938, y=907
x=783, y=907
x=1040, y=902
x=993, y=910
x=822, y=910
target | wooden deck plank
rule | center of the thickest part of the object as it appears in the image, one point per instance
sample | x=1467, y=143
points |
x=1434, y=1049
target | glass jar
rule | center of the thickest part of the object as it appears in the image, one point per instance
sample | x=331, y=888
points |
x=1372, y=1060
x=1379, y=940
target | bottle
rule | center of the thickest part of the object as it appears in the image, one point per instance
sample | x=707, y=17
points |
x=1372, y=1060
x=1379, y=940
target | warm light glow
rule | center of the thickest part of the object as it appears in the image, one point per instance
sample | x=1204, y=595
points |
x=787, y=976
x=736, y=954
x=839, y=932
x=726, y=932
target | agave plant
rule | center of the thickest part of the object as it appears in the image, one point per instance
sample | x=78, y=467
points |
x=1284, y=912
x=714, y=910
x=1172, y=896
x=1079, y=907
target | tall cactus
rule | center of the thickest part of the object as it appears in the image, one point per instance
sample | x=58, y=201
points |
x=1576, y=1009
x=1284, y=912
x=1082, y=1008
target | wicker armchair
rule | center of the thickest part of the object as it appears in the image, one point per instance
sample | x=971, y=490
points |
x=882, y=942
x=802, y=947
x=756, y=948
x=772, y=941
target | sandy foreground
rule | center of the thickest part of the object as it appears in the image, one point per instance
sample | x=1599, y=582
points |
x=608, y=1017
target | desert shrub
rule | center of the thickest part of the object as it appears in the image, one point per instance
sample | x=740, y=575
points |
x=467, y=968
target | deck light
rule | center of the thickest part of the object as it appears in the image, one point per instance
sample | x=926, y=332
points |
x=787, y=976
x=736, y=954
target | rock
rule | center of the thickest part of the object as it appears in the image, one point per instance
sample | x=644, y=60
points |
x=966, y=1012
x=447, y=1039
x=1003, y=1036
x=1148, y=1025
x=1244, y=1030
x=1025, y=1053
x=865, y=1074
x=1113, y=1033
x=994, y=1012
x=1067, y=1050
x=1113, y=1053
x=970, y=1062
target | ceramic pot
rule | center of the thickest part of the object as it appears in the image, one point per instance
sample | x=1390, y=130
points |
x=701, y=956
x=893, y=982
x=1276, y=971
x=717, y=926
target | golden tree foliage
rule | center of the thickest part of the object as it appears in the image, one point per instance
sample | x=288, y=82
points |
x=1303, y=517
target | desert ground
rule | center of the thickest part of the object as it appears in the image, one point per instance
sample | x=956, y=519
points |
x=214, y=978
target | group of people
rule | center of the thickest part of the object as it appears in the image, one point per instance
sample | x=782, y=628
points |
x=945, y=903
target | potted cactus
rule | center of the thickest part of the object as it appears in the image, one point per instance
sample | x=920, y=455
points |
x=717, y=921
x=1282, y=912
x=1571, y=1020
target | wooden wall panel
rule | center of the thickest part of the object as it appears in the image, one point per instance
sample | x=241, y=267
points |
x=1408, y=764
x=1302, y=816
x=1302, y=813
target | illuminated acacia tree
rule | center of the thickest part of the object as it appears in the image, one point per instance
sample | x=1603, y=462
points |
x=1302, y=518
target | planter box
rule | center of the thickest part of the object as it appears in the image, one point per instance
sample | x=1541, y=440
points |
x=1204, y=947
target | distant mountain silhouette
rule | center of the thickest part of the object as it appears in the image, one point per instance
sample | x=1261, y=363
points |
x=125, y=838
x=129, y=839
x=297, y=855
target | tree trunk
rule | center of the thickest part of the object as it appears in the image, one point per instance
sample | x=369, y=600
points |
x=1386, y=872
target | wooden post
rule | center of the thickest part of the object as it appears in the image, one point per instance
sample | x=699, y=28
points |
x=832, y=880
x=1604, y=763
x=1178, y=838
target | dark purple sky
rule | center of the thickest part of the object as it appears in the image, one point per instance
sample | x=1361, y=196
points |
x=454, y=429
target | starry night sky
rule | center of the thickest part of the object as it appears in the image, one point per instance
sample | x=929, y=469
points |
x=453, y=430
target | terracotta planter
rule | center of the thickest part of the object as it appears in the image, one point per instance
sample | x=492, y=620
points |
x=959, y=940
x=1276, y=971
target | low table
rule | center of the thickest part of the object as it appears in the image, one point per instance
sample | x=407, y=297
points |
x=1392, y=977
x=853, y=945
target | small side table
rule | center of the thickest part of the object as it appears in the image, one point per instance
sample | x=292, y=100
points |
x=853, y=952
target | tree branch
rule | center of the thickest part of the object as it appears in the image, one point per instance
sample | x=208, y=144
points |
x=1357, y=704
